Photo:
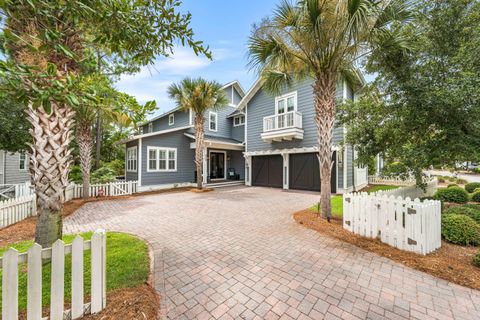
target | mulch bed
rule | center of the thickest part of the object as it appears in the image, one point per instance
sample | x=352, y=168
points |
x=196, y=190
x=451, y=262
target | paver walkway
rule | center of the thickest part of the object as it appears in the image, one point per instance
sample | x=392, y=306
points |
x=236, y=253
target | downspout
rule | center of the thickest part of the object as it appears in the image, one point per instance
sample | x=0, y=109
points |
x=353, y=169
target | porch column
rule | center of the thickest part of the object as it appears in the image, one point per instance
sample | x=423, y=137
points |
x=286, y=169
x=248, y=171
x=139, y=164
x=205, y=166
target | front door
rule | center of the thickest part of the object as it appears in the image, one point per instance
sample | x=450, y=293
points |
x=217, y=165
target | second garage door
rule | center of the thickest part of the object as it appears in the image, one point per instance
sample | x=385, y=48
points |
x=267, y=171
x=305, y=173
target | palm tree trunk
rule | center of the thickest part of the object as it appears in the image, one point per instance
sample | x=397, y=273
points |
x=50, y=163
x=85, y=144
x=98, y=140
x=199, y=138
x=325, y=108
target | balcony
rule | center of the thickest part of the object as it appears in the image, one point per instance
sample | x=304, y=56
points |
x=285, y=126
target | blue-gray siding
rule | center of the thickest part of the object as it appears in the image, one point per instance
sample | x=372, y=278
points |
x=350, y=166
x=10, y=172
x=224, y=124
x=236, y=160
x=185, y=159
x=130, y=175
x=181, y=119
x=263, y=104
x=236, y=96
x=238, y=133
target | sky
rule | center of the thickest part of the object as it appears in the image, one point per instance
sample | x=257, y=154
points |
x=224, y=26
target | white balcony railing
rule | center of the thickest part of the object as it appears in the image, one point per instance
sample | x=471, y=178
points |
x=288, y=120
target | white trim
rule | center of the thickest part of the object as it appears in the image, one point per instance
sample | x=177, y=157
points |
x=285, y=97
x=249, y=95
x=150, y=127
x=224, y=163
x=240, y=122
x=155, y=134
x=210, y=114
x=190, y=117
x=25, y=161
x=139, y=166
x=289, y=151
x=345, y=156
x=157, y=159
x=286, y=171
x=235, y=83
x=131, y=149
x=191, y=136
x=171, y=119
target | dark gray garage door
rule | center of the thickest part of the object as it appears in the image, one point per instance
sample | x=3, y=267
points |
x=267, y=171
x=305, y=173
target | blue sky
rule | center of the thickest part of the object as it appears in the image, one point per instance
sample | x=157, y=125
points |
x=224, y=26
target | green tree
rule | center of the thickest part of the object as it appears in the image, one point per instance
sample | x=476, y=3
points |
x=424, y=107
x=198, y=95
x=51, y=44
x=321, y=40
x=14, y=134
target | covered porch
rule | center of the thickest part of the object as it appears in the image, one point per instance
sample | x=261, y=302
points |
x=223, y=161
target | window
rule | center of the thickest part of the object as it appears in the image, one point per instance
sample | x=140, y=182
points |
x=22, y=165
x=286, y=103
x=212, y=121
x=238, y=121
x=150, y=127
x=171, y=119
x=132, y=159
x=162, y=159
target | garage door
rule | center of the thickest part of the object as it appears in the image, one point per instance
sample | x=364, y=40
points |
x=267, y=171
x=305, y=173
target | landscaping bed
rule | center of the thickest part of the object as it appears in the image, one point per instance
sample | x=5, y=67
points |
x=451, y=262
x=372, y=188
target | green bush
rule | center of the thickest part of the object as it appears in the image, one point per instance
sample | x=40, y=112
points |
x=75, y=174
x=476, y=170
x=464, y=210
x=395, y=169
x=460, y=229
x=103, y=175
x=453, y=194
x=476, y=196
x=470, y=187
x=118, y=166
x=472, y=205
x=462, y=181
x=452, y=185
x=476, y=259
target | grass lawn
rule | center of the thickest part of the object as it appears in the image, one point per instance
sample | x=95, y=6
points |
x=337, y=206
x=128, y=266
x=376, y=188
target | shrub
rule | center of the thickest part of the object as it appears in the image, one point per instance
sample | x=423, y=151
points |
x=452, y=185
x=460, y=229
x=453, y=194
x=118, y=166
x=476, y=196
x=462, y=181
x=470, y=187
x=472, y=205
x=464, y=210
x=476, y=259
x=102, y=175
x=476, y=170
x=75, y=174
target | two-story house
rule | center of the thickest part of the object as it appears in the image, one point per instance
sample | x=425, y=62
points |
x=258, y=139
x=14, y=167
x=163, y=155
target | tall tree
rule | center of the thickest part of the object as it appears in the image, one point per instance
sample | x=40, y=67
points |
x=321, y=39
x=51, y=44
x=198, y=95
x=424, y=107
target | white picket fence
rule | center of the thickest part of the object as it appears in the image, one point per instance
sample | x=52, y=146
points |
x=120, y=188
x=402, y=223
x=34, y=259
x=396, y=181
x=12, y=191
x=15, y=210
x=412, y=191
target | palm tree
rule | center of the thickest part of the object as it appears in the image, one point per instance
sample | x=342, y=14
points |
x=320, y=40
x=198, y=95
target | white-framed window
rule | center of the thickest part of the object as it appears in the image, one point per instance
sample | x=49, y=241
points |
x=286, y=103
x=238, y=121
x=132, y=159
x=212, y=121
x=22, y=161
x=171, y=119
x=161, y=159
x=150, y=127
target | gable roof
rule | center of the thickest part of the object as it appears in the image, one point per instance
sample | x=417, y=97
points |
x=357, y=74
x=236, y=84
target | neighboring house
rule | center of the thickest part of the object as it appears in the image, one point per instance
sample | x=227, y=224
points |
x=14, y=167
x=263, y=139
x=281, y=140
x=163, y=155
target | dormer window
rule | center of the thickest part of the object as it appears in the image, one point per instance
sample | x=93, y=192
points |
x=171, y=119
x=238, y=121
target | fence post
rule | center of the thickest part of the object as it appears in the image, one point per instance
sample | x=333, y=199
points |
x=77, y=277
x=58, y=278
x=34, y=283
x=10, y=285
x=98, y=271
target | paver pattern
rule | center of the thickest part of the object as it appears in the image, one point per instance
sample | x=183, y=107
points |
x=236, y=253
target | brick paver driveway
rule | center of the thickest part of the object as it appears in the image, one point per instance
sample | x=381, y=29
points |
x=237, y=254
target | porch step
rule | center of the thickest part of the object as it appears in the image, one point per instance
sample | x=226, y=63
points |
x=224, y=184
